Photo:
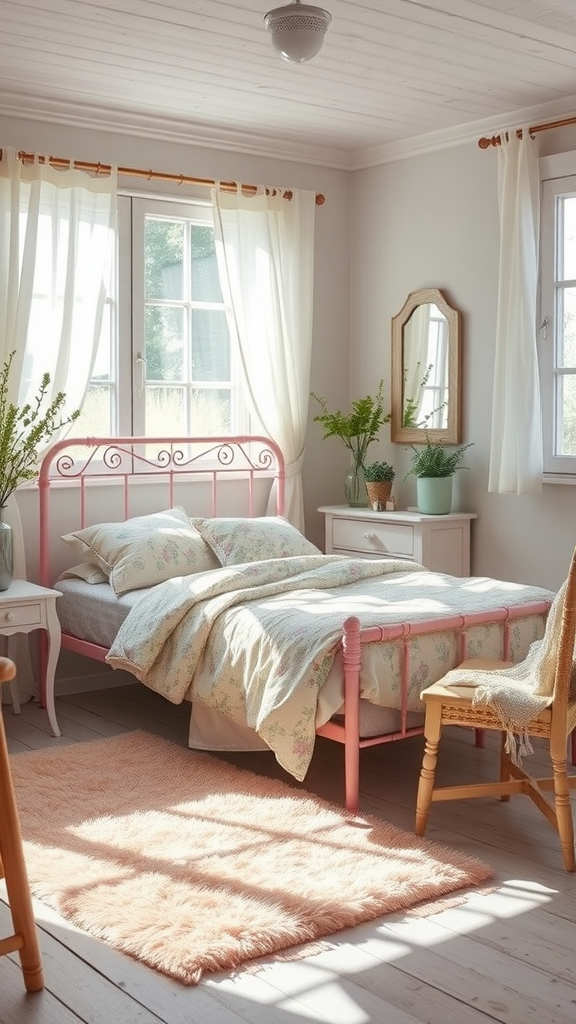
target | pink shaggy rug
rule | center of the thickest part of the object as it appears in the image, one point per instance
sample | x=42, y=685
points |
x=193, y=865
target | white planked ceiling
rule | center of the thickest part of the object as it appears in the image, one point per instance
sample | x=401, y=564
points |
x=204, y=70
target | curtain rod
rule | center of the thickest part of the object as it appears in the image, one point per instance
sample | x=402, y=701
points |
x=496, y=140
x=135, y=172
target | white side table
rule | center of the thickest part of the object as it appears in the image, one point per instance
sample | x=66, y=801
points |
x=24, y=607
x=440, y=543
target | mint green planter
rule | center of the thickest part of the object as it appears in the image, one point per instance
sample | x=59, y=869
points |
x=434, y=495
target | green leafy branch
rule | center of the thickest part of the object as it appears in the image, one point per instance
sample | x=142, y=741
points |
x=24, y=429
x=358, y=428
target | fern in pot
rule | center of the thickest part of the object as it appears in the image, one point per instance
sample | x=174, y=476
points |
x=379, y=477
x=434, y=465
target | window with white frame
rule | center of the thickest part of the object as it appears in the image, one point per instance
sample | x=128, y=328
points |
x=165, y=364
x=557, y=315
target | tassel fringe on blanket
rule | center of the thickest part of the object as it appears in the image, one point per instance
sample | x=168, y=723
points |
x=518, y=694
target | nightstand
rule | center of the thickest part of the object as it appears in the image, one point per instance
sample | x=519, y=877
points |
x=23, y=608
x=440, y=543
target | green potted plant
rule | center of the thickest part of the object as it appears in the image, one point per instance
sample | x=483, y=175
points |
x=434, y=465
x=357, y=430
x=379, y=477
x=22, y=431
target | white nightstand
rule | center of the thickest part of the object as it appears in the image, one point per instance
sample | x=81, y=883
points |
x=440, y=543
x=24, y=607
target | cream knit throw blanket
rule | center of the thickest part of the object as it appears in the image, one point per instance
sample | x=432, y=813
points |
x=519, y=693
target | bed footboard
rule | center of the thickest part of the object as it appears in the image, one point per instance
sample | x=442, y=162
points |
x=354, y=637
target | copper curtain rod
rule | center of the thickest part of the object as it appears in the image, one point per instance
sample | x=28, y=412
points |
x=135, y=172
x=496, y=140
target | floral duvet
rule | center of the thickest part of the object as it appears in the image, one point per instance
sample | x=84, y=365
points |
x=257, y=641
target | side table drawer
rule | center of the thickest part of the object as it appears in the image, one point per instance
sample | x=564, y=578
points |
x=375, y=538
x=21, y=615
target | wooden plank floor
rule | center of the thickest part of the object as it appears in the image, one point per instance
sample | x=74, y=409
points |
x=505, y=954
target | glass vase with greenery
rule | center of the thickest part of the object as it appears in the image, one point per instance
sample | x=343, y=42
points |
x=23, y=429
x=357, y=429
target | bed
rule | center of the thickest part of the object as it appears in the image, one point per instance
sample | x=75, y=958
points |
x=175, y=562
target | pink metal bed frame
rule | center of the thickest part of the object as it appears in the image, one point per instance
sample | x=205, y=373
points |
x=82, y=462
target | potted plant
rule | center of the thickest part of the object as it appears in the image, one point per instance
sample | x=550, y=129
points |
x=434, y=465
x=22, y=430
x=379, y=477
x=357, y=429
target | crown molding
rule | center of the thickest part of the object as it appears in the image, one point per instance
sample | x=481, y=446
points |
x=164, y=129
x=418, y=145
x=91, y=116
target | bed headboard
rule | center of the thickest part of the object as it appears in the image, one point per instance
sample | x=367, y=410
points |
x=85, y=480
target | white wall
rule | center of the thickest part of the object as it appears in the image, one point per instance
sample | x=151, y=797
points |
x=331, y=304
x=432, y=221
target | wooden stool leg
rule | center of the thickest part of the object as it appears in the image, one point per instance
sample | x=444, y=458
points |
x=25, y=938
x=432, y=731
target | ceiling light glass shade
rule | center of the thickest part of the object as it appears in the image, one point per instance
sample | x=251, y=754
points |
x=297, y=30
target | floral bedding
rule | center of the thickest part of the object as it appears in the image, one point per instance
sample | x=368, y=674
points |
x=257, y=641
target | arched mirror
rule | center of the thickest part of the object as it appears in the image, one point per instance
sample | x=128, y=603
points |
x=426, y=370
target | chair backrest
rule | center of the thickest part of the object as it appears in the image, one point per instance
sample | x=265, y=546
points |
x=564, y=696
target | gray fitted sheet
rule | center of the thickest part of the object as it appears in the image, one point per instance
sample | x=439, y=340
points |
x=91, y=611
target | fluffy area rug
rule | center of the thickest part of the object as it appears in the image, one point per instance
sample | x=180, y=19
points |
x=193, y=865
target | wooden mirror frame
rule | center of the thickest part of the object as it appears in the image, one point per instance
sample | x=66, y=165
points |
x=452, y=433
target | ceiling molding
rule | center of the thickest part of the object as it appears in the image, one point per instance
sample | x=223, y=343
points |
x=93, y=117
x=163, y=129
x=388, y=152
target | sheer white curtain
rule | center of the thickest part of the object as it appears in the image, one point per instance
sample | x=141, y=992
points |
x=265, y=248
x=516, y=459
x=55, y=248
x=55, y=232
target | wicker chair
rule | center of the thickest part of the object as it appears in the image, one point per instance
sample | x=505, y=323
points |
x=13, y=869
x=452, y=705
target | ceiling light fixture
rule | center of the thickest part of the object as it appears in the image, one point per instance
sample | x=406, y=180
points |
x=297, y=30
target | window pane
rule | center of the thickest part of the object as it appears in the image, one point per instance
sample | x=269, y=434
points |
x=165, y=411
x=205, y=280
x=95, y=419
x=163, y=243
x=210, y=345
x=164, y=333
x=567, y=270
x=566, y=390
x=211, y=411
x=568, y=354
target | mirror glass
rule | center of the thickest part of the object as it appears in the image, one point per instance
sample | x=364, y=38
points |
x=426, y=386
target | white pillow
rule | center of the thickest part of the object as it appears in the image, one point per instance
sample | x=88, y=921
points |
x=87, y=571
x=145, y=550
x=251, y=540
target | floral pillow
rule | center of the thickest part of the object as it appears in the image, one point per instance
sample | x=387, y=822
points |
x=145, y=550
x=235, y=541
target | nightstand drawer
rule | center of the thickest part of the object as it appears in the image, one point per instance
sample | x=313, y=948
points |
x=375, y=538
x=21, y=615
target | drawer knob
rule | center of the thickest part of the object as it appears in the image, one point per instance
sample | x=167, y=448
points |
x=369, y=536
x=9, y=616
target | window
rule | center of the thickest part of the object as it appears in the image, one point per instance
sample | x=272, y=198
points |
x=165, y=364
x=557, y=319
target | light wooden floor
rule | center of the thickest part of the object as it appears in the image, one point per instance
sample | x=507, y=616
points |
x=505, y=955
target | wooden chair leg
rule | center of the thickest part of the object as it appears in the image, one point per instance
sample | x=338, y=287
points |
x=504, y=773
x=432, y=731
x=563, y=809
x=25, y=938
